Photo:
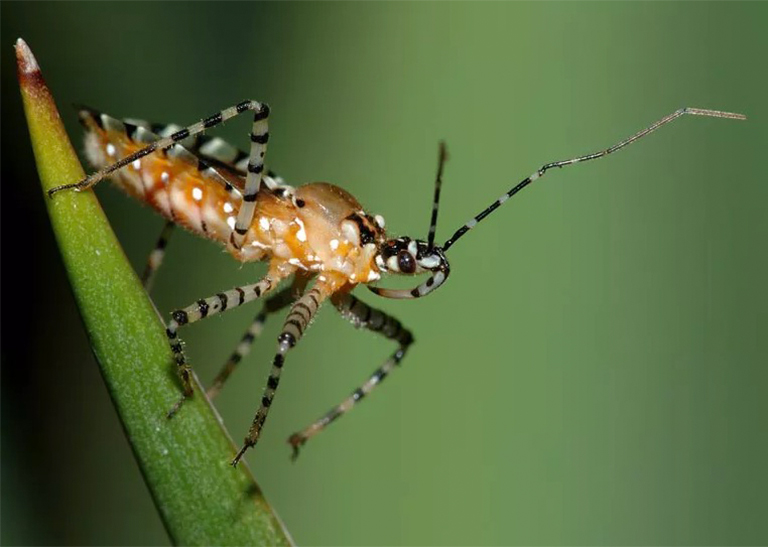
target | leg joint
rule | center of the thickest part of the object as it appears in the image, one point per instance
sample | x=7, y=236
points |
x=286, y=338
x=181, y=317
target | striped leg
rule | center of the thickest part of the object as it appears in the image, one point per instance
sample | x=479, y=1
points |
x=360, y=315
x=155, y=258
x=200, y=310
x=255, y=169
x=301, y=314
x=272, y=305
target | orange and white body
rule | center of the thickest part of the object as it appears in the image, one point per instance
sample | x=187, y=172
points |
x=318, y=228
x=315, y=232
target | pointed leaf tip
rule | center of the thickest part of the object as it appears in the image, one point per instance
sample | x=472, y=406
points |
x=201, y=501
x=25, y=59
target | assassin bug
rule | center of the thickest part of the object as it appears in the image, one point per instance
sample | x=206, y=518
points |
x=315, y=232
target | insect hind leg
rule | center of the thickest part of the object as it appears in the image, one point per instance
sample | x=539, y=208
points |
x=258, y=145
x=363, y=316
x=296, y=323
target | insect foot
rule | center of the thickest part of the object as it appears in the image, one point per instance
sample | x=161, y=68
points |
x=296, y=441
x=247, y=444
x=175, y=408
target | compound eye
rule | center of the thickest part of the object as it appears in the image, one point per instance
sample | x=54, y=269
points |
x=405, y=262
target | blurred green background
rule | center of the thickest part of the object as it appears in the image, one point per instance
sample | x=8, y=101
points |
x=593, y=372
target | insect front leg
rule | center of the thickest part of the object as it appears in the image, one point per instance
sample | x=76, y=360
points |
x=301, y=314
x=273, y=304
x=363, y=316
x=155, y=258
x=200, y=310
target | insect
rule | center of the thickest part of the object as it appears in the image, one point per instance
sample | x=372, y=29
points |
x=316, y=234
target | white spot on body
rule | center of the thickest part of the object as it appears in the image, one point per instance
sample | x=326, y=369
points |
x=283, y=251
x=334, y=243
x=264, y=223
x=350, y=232
x=197, y=194
x=301, y=235
x=231, y=222
x=111, y=150
x=165, y=177
x=280, y=227
x=342, y=265
x=228, y=208
x=380, y=221
x=136, y=164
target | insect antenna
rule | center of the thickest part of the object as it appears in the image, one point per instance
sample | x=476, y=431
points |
x=442, y=157
x=543, y=169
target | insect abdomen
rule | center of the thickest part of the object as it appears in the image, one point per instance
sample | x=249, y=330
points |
x=174, y=183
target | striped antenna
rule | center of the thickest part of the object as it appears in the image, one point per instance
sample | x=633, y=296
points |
x=665, y=120
x=442, y=156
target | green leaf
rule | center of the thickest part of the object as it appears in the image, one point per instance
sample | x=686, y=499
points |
x=185, y=461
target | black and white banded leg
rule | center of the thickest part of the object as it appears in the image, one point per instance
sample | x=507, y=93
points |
x=360, y=315
x=297, y=321
x=155, y=259
x=255, y=168
x=200, y=310
x=271, y=305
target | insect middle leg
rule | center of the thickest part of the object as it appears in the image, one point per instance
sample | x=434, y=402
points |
x=273, y=304
x=200, y=310
x=155, y=258
x=297, y=321
x=360, y=315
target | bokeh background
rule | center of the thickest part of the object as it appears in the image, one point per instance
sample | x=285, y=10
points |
x=593, y=372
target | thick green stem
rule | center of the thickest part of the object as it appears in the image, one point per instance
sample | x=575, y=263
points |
x=185, y=461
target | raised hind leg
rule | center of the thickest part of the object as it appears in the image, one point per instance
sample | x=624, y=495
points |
x=254, y=170
x=362, y=316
